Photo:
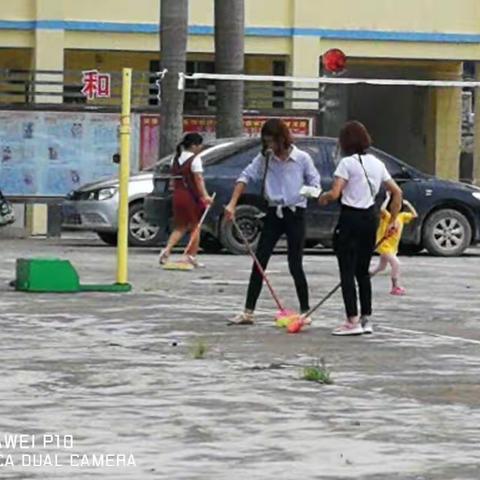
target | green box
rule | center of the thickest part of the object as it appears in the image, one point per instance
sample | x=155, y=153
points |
x=46, y=275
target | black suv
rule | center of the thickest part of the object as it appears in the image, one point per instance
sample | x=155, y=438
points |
x=449, y=212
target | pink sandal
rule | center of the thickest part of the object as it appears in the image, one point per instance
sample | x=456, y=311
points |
x=163, y=257
x=399, y=291
x=194, y=261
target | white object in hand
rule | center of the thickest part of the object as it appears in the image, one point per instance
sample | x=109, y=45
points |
x=310, y=192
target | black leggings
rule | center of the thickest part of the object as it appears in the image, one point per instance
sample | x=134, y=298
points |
x=354, y=242
x=293, y=225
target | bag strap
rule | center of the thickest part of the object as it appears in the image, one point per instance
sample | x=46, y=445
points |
x=372, y=193
x=264, y=180
x=187, y=180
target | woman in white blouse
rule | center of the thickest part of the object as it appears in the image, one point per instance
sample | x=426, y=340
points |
x=358, y=179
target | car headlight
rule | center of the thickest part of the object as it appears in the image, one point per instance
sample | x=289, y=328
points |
x=476, y=195
x=106, y=193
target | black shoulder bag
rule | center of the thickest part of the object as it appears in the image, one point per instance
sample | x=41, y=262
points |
x=6, y=212
x=368, y=179
x=264, y=201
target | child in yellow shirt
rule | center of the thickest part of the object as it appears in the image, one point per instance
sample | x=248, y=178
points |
x=388, y=249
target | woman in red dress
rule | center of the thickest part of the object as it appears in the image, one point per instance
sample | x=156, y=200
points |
x=190, y=196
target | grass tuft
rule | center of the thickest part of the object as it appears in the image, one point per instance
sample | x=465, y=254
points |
x=199, y=350
x=318, y=373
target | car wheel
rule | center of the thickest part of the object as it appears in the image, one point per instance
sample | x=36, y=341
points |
x=140, y=232
x=210, y=244
x=327, y=244
x=110, y=238
x=447, y=233
x=311, y=243
x=247, y=217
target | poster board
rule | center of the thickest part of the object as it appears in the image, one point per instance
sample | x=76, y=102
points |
x=53, y=153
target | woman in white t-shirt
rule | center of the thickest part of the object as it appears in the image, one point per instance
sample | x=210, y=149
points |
x=190, y=196
x=358, y=179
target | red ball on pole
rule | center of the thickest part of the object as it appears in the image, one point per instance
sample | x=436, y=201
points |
x=334, y=60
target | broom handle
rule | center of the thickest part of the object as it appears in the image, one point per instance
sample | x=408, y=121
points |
x=196, y=230
x=334, y=289
x=257, y=263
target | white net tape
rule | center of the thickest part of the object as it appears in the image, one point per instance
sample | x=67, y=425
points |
x=328, y=80
x=421, y=120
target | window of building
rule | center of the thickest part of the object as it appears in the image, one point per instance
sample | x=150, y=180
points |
x=199, y=94
x=279, y=69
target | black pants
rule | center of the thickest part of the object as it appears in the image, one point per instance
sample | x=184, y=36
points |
x=354, y=242
x=293, y=225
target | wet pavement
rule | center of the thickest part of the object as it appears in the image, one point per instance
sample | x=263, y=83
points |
x=114, y=377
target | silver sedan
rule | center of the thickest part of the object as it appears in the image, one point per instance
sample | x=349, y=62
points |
x=94, y=207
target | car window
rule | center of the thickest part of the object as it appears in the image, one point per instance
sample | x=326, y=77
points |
x=242, y=158
x=322, y=155
x=163, y=165
x=394, y=166
x=236, y=153
x=214, y=150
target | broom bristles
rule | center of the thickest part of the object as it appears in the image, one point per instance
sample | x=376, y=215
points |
x=295, y=326
x=178, y=266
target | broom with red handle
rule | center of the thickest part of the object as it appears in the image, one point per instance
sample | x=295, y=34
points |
x=283, y=312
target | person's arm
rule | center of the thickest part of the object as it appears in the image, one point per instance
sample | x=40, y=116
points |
x=385, y=203
x=341, y=177
x=200, y=183
x=197, y=170
x=311, y=175
x=252, y=172
x=411, y=208
x=395, y=205
x=334, y=193
x=232, y=204
x=171, y=180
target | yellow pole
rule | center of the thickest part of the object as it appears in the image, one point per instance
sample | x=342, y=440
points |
x=122, y=241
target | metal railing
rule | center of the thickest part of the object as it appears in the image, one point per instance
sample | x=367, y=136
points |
x=30, y=87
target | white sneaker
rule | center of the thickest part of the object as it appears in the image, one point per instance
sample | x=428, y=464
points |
x=348, y=328
x=243, y=318
x=307, y=320
x=366, y=325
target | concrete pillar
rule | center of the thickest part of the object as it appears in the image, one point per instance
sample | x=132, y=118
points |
x=49, y=50
x=305, y=60
x=48, y=55
x=448, y=132
x=447, y=125
x=36, y=219
x=476, y=152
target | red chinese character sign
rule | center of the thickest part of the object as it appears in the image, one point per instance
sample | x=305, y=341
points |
x=252, y=126
x=334, y=61
x=96, y=84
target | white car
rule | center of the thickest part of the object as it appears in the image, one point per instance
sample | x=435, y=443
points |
x=94, y=207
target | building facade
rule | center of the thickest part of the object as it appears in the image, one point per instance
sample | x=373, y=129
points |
x=413, y=39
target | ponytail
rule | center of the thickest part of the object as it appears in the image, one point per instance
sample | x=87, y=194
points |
x=188, y=141
x=178, y=150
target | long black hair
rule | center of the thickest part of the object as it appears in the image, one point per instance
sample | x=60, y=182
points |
x=188, y=141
